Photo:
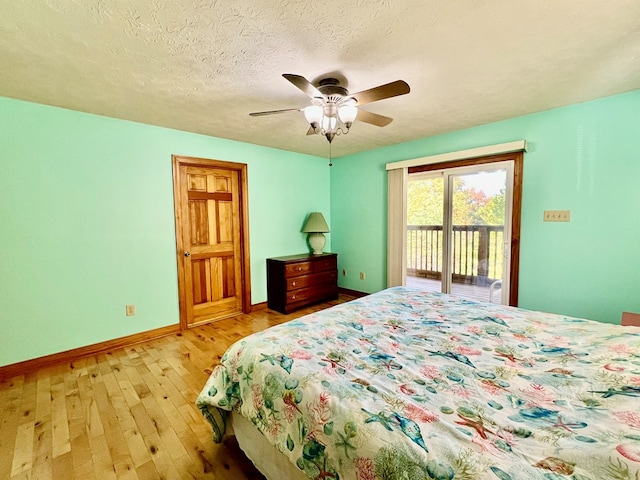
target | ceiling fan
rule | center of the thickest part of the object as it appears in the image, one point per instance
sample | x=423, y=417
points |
x=333, y=109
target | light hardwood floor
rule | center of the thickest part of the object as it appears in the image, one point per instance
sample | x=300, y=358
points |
x=129, y=413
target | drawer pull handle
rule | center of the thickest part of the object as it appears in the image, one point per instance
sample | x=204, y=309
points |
x=299, y=269
x=293, y=284
x=293, y=297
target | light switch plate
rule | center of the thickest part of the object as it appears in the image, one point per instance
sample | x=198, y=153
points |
x=557, y=216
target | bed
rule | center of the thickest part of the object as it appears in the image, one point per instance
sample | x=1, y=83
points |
x=409, y=384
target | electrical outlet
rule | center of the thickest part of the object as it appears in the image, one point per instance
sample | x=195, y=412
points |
x=131, y=310
x=557, y=216
x=361, y=275
x=344, y=272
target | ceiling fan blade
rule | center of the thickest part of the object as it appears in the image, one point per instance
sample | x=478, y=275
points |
x=271, y=112
x=388, y=90
x=303, y=84
x=373, y=118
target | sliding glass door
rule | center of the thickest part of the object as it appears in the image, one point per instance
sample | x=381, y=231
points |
x=458, y=231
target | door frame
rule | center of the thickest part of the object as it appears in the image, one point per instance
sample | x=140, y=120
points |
x=516, y=205
x=243, y=197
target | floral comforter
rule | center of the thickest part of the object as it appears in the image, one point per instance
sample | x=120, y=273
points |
x=407, y=384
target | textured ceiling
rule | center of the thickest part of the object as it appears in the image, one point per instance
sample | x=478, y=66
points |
x=203, y=65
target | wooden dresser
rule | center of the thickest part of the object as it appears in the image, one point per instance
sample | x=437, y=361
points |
x=296, y=281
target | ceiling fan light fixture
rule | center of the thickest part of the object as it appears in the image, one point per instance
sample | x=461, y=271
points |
x=329, y=123
x=348, y=114
x=313, y=114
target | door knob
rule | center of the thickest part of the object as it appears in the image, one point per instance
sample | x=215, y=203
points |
x=187, y=254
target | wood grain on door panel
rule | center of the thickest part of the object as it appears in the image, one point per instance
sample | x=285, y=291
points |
x=211, y=257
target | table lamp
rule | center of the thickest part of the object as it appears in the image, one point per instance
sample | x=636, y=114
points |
x=316, y=227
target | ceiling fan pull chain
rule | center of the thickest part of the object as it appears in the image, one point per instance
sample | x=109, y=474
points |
x=330, y=162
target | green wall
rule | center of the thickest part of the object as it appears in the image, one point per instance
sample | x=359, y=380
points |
x=582, y=158
x=87, y=223
x=86, y=210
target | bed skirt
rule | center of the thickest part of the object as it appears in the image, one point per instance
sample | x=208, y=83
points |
x=271, y=463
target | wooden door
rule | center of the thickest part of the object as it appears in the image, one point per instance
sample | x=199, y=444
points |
x=212, y=239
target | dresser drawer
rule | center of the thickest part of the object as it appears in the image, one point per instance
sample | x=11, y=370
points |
x=306, y=295
x=298, y=268
x=311, y=280
x=330, y=263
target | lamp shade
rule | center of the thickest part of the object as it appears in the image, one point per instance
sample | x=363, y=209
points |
x=329, y=123
x=313, y=114
x=315, y=224
x=348, y=113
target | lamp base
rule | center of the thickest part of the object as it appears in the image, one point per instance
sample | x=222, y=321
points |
x=316, y=242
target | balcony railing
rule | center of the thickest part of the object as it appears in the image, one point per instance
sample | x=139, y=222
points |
x=477, y=252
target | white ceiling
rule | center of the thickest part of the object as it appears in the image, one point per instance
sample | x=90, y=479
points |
x=203, y=65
